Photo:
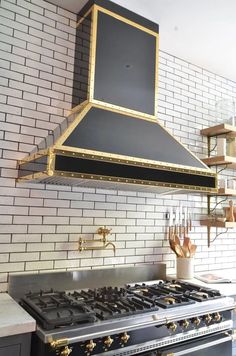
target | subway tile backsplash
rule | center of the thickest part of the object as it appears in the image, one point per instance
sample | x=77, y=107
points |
x=40, y=224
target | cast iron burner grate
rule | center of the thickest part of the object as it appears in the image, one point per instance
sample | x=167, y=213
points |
x=191, y=291
x=160, y=296
x=110, y=303
x=54, y=309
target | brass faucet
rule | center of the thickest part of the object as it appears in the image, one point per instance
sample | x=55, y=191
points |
x=104, y=231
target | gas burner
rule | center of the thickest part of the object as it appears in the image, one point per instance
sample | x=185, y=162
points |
x=192, y=291
x=55, y=309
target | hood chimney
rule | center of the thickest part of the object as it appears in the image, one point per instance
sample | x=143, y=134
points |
x=113, y=139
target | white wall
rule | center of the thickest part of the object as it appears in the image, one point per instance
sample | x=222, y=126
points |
x=40, y=224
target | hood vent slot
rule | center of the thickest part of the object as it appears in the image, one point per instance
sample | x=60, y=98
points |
x=112, y=139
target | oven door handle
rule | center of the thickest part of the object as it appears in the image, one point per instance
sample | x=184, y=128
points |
x=196, y=348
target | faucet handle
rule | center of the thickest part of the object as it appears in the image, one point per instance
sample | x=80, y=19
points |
x=104, y=231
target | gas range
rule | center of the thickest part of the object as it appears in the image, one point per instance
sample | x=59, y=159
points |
x=110, y=320
x=158, y=317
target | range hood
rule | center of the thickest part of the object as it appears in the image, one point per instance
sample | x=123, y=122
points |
x=113, y=139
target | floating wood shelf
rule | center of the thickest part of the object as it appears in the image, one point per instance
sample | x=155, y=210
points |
x=216, y=223
x=226, y=192
x=220, y=160
x=222, y=129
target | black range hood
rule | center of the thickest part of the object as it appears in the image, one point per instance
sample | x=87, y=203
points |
x=113, y=139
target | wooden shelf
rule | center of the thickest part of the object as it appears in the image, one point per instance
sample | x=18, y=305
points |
x=228, y=131
x=226, y=192
x=220, y=160
x=222, y=129
x=216, y=223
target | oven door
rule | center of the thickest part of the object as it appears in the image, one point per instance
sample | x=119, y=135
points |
x=215, y=345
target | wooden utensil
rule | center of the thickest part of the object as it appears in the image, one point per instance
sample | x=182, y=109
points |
x=193, y=250
x=187, y=245
x=177, y=240
x=231, y=211
x=172, y=245
x=186, y=251
x=178, y=250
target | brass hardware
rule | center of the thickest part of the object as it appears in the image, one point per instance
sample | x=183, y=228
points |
x=90, y=346
x=124, y=338
x=174, y=285
x=172, y=326
x=58, y=343
x=105, y=243
x=196, y=321
x=108, y=341
x=169, y=300
x=202, y=294
x=66, y=351
x=185, y=324
x=104, y=232
x=217, y=317
x=208, y=318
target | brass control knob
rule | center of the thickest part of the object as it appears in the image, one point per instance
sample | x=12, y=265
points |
x=90, y=346
x=196, y=321
x=208, y=318
x=66, y=351
x=124, y=338
x=108, y=341
x=217, y=317
x=185, y=324
x=172, y=326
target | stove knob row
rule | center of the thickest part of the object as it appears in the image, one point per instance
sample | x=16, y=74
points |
x=172, y=327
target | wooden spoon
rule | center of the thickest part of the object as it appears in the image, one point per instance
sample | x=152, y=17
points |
x=186, y=251
x=172, y=245
x=177, y=240
x=193, y=250
x=187, y=246
x=178, y=250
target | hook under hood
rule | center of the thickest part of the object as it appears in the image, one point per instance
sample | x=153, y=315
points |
x=112, y=138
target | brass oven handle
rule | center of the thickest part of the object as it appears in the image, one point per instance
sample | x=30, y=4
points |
x=199, y=347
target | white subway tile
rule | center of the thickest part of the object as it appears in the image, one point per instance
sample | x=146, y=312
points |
x=12, y=247
x=65, y=13
x=46, y=229
x=30, y=6
x=22, y=257
x=12, y=267
x=39, y=265
x=16, y=238
x=56, y=17
x=57, y=255
x=14, y=8
x=8, y=14
x=54, y=46
x=23, y=22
